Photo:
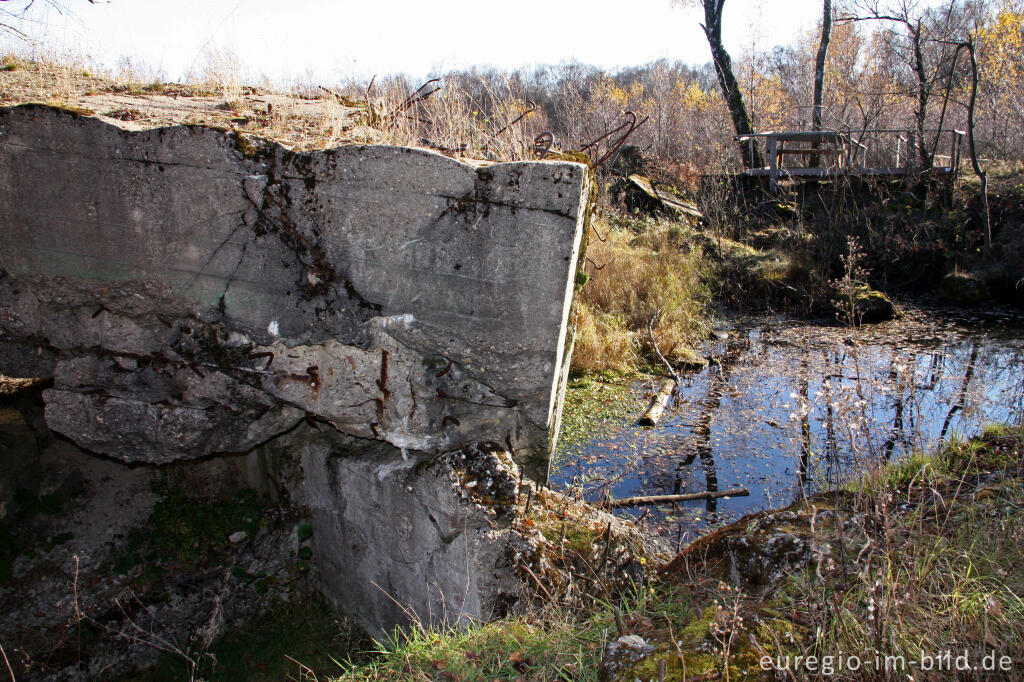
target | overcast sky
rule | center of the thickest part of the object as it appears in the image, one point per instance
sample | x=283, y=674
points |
x=334, y=40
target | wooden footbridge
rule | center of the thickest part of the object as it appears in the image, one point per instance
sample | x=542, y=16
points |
x=809, y=154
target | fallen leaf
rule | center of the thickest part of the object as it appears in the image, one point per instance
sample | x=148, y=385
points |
x=519, y=662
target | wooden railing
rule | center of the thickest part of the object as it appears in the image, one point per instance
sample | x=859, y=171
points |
x=828, y=153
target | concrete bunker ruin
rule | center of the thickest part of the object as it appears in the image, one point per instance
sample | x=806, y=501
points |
x=195, y=293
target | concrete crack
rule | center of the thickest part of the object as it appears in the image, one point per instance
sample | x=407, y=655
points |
x=231, y=278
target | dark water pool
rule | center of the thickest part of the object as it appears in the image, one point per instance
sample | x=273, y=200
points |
x=787, y=405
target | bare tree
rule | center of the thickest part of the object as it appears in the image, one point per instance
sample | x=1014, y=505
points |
x=819, y=73
x=972, y=146
x=712, y=27
x=13, y=14
x=925, y=42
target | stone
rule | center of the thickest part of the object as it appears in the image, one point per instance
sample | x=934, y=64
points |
x=874, y=306
x=238, y=537
x=622, y=654
x=757, y=562
x=963, y=288
x=201, y=291
x=24, y=361
x=869, y=306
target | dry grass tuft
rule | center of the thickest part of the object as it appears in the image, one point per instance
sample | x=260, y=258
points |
x=643, y=277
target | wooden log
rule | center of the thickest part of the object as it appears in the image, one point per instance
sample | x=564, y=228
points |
x=659, y=403
x=663, y=499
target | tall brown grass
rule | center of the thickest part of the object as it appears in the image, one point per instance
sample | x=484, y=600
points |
x=645, y=277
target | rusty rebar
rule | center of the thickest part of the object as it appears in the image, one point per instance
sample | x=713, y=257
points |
x=632, y=122
x=542, y=144
x=532, y=108
x=265, y=354
x=630, y=125
x=419, y=95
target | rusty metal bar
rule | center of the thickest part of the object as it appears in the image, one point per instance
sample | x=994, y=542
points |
x=418, y=96
x=542, y=144
x=532, y=108
x=632, y=122
x=613, y=148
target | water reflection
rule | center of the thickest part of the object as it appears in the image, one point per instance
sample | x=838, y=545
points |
x=788, y=407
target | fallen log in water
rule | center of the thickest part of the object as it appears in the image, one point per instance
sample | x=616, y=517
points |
x=662, y=499
x=659, y=403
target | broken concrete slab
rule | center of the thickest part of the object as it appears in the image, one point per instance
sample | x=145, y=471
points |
x=395, y=538
x=405, y=539
x=639, y=193
x=205, y=291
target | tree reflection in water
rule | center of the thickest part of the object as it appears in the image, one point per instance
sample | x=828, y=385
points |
x=787, y=408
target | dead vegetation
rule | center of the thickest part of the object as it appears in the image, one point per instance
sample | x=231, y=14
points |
x=870, y=582
x=305, y=116
x=641, y=272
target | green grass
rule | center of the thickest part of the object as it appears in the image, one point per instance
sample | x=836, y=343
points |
x=683, y=622
x=996, y=449
x=923, y=561
x=555, y=648
x=547, y=645
x=934, y=564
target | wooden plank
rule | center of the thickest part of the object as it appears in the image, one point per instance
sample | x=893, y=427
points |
x=809, y=136
x=793, y=172
x=808, y=152
x=829, y=172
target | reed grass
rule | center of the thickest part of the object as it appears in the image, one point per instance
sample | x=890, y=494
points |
x=637, y=281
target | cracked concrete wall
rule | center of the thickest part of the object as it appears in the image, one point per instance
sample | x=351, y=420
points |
x=202, y=293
